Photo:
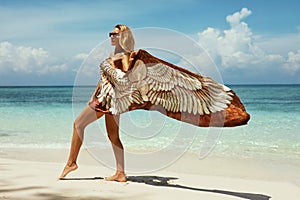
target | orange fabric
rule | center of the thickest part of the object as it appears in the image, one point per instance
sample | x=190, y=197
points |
x=234, y=115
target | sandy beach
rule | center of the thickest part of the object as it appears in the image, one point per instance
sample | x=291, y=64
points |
x=183, y=79
x=32, y=174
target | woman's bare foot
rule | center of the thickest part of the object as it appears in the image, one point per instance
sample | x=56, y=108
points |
x=68, y=168
x=119, y=177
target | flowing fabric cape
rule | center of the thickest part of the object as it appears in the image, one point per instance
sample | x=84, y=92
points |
x=150, y=83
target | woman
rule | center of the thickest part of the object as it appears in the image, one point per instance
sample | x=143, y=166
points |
x=122, y=39
x=137, y=80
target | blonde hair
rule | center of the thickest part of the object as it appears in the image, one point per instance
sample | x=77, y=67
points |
x=126, y=39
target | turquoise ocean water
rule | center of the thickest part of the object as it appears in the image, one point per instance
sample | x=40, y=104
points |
x=42, y=117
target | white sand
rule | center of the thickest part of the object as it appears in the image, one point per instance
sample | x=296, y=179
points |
x=32, y=174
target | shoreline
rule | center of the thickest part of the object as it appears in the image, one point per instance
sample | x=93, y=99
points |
x=215, y=165
x=28, y=174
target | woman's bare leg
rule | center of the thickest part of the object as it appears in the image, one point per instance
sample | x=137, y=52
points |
x=86, y=117
x=112, y=128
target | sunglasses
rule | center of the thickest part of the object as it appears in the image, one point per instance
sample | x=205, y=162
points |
x=114, y=34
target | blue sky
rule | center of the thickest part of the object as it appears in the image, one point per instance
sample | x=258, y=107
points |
x=250, y=41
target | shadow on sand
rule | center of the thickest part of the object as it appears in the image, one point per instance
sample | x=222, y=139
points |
x=81, y=179
x=165, y=182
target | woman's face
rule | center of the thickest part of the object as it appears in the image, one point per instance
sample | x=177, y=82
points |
x=114, y=38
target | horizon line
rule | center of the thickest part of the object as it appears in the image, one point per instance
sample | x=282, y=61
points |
x=233, y=84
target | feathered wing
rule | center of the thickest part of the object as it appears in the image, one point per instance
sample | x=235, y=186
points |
x=117, y=93
x=175, y=89
x=178, y=91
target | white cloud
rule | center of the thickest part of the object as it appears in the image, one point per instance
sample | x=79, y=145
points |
x=81, y=56
x=278, y=44
x=29, y=60
x=233, y=46
x=53, y=69
x=237, y=47
x=87, y=72
x=236, y=18
x=22, y=59
x=292, y=64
